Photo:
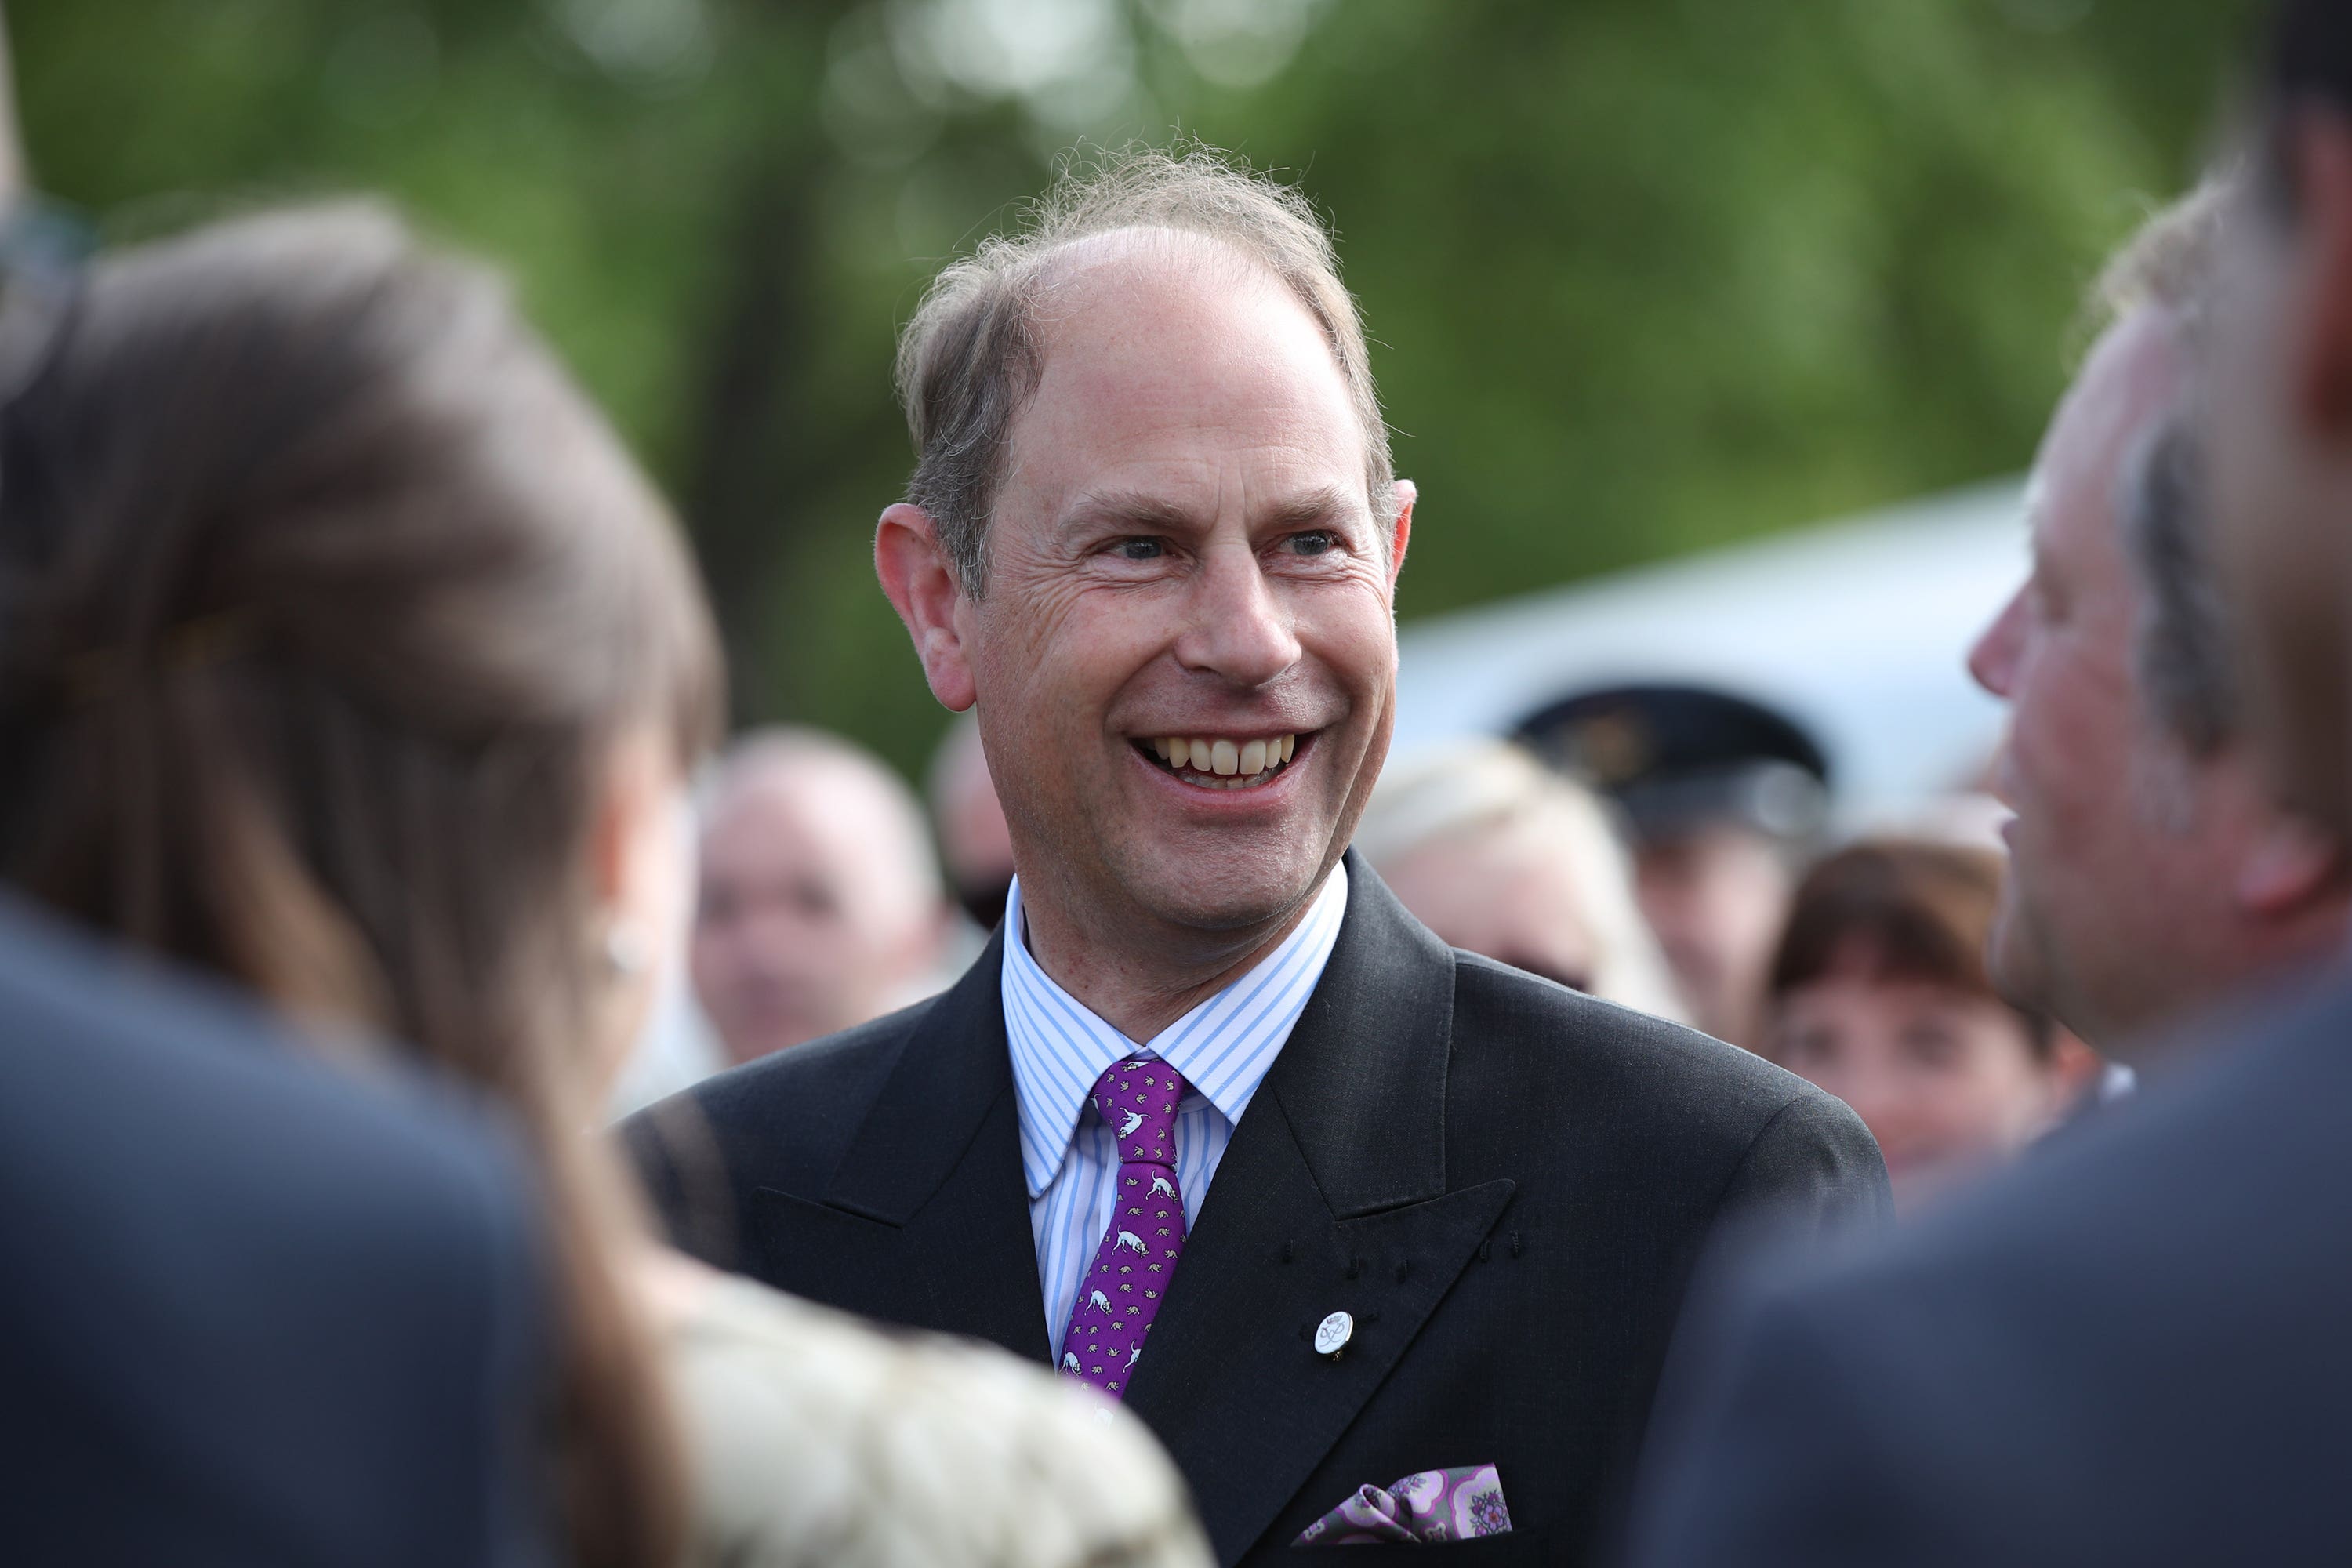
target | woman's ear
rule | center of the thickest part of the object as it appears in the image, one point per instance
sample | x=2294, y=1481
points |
x=924, y=590
x=625, y=800
x=640, y=884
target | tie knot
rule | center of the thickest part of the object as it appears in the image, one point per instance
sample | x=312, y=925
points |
x=1139, y=1100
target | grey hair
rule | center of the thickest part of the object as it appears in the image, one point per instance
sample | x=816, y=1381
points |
x=2184, y=657
x=970, y=358
x=2173, y=265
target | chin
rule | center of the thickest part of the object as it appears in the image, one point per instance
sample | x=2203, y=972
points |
x=1227, y=893
x=2011, y=960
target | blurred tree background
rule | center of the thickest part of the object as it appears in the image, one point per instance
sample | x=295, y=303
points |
x=1645, y=276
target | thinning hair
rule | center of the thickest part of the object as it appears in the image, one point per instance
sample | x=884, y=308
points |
x=2183, y=658
x=972, y=357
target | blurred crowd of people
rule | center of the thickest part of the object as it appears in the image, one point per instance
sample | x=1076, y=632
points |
x=1667, y=847
x=354, y=681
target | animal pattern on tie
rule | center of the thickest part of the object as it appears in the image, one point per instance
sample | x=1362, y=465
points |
x=1111, y=1315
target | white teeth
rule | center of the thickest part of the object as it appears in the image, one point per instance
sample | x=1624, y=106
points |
x=1231, y=764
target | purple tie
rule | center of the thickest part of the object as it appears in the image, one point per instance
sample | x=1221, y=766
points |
x=1121, y=1293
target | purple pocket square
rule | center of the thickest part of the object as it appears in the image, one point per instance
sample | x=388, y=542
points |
x=1432, y=1505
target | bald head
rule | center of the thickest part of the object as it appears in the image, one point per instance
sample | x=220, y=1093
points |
x=820, y=905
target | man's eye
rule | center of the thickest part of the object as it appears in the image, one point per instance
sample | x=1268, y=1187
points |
x=1139, y=549
x=1314, y=542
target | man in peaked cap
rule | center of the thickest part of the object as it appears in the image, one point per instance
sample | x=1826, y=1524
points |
x=1725, y=797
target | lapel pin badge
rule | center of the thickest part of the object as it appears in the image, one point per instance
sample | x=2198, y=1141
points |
x=1332, y=1335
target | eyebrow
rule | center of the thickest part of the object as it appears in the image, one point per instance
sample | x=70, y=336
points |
x=1320, y=507
x=1127, y=509
x=1317, y=508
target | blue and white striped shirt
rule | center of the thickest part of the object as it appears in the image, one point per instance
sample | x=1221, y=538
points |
x=1223, y=1047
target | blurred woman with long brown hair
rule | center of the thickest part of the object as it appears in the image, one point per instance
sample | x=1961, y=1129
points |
x=343, y=652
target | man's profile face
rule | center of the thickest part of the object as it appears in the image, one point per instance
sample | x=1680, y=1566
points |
x=1182, y=549
x=2086, y=873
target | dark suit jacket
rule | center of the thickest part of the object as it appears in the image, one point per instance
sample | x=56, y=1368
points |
x=2137, y=1349
x=251, y=1312
x=1503, y=1181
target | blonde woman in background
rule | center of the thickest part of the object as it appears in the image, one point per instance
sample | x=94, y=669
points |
x=1502, y=856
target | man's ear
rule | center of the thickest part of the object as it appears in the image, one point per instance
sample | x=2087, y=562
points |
x=2323, y=177
x=1401, y=532
x=2293, y=863
x=924, y=589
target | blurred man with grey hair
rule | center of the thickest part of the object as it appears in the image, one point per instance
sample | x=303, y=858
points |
x=1356, y=1223
x=2153, y=871
x=2131, y=1348
x=820, y=903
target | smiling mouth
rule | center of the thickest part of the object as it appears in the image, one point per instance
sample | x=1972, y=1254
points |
x=1214, y=761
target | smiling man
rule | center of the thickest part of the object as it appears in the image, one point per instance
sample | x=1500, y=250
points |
x=1214, y=1126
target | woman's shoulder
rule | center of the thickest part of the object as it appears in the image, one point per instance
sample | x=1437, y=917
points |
x=817, y=1437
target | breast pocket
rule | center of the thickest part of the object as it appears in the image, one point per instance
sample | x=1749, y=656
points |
x=1519, y=1546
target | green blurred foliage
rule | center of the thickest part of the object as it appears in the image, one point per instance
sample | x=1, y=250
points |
x=1647, y=275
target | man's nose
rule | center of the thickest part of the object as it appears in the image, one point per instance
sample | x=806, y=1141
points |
x=1239, y=628
x=1993, y=661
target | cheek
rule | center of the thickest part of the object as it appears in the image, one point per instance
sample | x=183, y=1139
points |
x=1048, y=666
x=1994, y=1097
x=1350, y=628
x=2065, y=737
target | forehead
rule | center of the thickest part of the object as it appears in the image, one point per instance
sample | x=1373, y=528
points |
x=2130, y=379
x=802, y=809
x=1174, y=363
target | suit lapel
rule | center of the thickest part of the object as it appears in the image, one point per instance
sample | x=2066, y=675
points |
x=1331, y=1197
x=926, y=1220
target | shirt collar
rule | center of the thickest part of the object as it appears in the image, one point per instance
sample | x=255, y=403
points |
x=1223, y=1047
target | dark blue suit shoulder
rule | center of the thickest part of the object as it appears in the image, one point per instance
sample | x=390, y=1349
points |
x=1567, y=1042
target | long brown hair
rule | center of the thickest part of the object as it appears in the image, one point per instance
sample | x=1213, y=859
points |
x=323, y=597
